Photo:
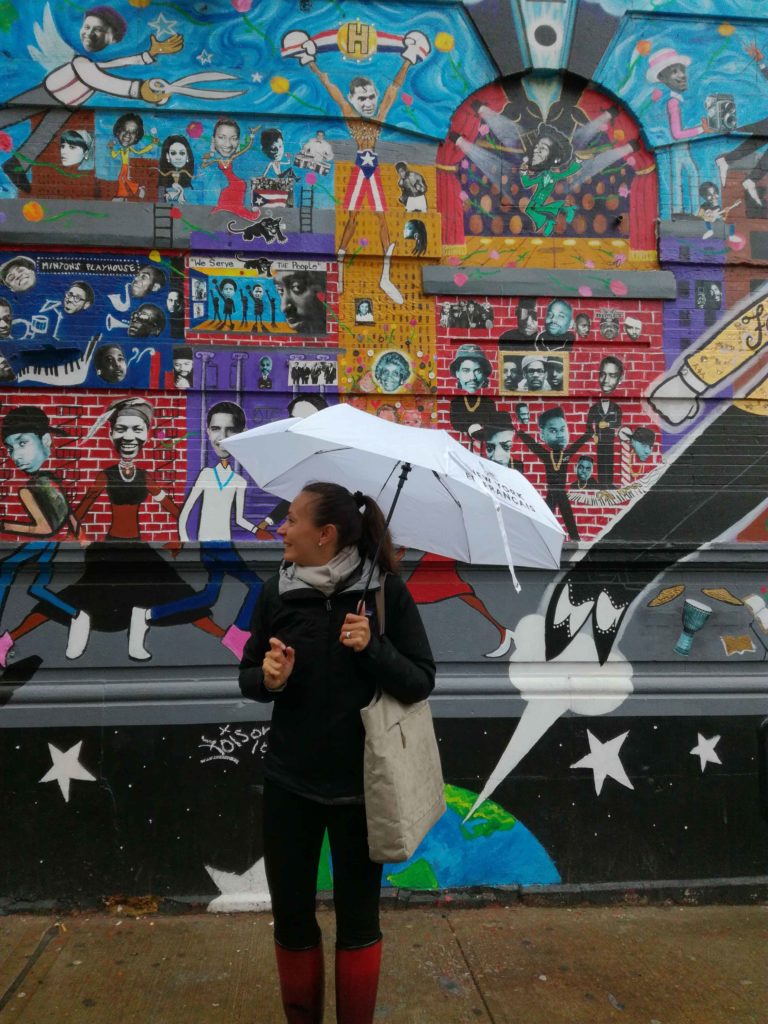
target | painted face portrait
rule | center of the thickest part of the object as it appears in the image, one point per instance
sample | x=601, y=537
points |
x=298, y=292
x=146, y=321
x=221, y=427
x=558, y=319
x=523, y=413
x=228, y=290
x=129, y=133
x=178, y=155
x=226, y=140
x=364, y=99
x=95, y=34
x=6, y=371
x=19, y=274
x=28, y=451
x=498, y=447
x=182, y=372
x=173, y=302
x=584, y=469
x=77, y=298
x=555, y=433
x=391, y=372
x=555, y=374
x=632, y=328
x=129, y=434
x=146, y=280
x=611, y=373
x=74, y=147
x=582, y=324
x=675, y=76
x=110, y=364
x=6, y=319
x=541, y=152
x=471, y=375
x=534, y=375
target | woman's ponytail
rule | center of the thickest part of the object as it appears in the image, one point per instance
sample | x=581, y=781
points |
x=375, y=533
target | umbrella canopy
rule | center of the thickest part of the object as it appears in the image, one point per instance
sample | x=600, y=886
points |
x=454, y=502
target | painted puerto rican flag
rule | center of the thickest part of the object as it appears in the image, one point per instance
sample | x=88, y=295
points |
x=266, y=198
x=267, y=192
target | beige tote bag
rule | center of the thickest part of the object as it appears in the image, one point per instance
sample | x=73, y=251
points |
x=404, y=789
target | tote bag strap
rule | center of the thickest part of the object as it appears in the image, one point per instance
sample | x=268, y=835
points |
x=380, y=610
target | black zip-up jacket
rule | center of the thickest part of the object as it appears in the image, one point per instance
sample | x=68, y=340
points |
x=317, y=737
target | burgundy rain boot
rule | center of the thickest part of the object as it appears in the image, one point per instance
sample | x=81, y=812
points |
x=302, y=983
x=357, y=979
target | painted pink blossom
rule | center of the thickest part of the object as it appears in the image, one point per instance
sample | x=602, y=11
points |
x=6, y=142
x=242, y=6
x=589, y=264
x=493, y=254
x=618, y=287
x=311, y=178
x=483, y=129
x=460, y=279
x=585, y=291
x=406, y=98
x=619, y=259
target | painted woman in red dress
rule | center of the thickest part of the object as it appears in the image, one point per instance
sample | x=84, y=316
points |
x=436, y=578
x=226, y=149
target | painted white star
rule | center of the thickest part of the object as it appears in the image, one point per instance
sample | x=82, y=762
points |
x=66, y=766
x=240, y=892
x=705, y=750
x=367, y=159
x=162, y=27
x=204, y=57
x=257, y=77
x=604, y=760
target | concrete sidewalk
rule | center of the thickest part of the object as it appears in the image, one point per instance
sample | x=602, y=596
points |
x=527, y=965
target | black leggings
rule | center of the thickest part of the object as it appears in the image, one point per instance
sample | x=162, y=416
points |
x=293, y=835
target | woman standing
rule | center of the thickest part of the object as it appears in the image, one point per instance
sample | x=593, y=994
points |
x=320, y=661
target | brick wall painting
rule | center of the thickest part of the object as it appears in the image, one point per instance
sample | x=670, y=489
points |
x=549, y=244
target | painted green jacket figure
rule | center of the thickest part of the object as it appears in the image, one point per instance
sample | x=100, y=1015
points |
x=552, y=160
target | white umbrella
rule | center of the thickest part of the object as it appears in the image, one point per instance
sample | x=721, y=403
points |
x=454, y=502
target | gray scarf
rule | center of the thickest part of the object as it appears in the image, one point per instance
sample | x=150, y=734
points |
x=325, y=578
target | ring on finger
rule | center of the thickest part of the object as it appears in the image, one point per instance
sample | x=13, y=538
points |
x=348, y=634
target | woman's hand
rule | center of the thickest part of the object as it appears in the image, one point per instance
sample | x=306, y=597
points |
x=355, y=632
x=277, y=664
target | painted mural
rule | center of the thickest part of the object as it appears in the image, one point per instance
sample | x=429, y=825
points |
x=539, y=226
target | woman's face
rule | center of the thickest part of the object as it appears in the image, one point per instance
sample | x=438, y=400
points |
x=390, y=376
x=226, y=140
x=178, y=155
x=277, y=149
x=303, y=541
x=71, y=154
x=129, y=434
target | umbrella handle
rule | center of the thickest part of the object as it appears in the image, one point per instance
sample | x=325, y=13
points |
x=406, y=468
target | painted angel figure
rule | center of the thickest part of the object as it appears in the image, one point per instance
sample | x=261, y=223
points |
x=73, y=78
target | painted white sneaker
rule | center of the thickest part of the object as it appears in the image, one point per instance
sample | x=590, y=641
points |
x=136, y=633
x=79, y=632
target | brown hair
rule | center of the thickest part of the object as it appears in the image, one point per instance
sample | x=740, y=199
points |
x=358, y=520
